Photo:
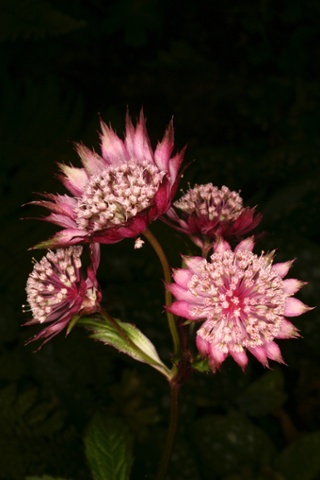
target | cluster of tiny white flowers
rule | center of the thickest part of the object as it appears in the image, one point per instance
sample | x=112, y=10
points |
x=116, y=194
x=243, y=299
x=212, y=202
x=48, y=284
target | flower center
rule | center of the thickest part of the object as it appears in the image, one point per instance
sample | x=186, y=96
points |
x=243, y=299
x=50, y=281
x=117, y=194
x=212, y=202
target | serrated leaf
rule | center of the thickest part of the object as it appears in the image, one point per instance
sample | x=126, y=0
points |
x=131, y=341
x=301, y=459
x=263, y=396
x=108, y=448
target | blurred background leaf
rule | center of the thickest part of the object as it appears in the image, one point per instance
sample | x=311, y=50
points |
x=33, y=19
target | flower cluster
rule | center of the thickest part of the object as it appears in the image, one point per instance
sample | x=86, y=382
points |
x=243, y=300
x=115, y=195
x=206, y=213
x=58, y=291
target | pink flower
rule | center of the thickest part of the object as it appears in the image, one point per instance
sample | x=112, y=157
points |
x=243, y=299
x=206, y=213
x=116, y=195
x=57, y=291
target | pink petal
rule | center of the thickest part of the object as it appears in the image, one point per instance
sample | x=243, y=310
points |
x=292, y=285
x=260, y=353
x=221, y=246
x=287, y=330
x=181, y=293
x=182, y=309
x=197, y=241
x=65, y=238
x=182, y=277
x=273, y=352
x=62, y=204
x=95, y=255
x=216, y=357
x=246, y=221
x=137, y=140
x=239, y=357
x=164, y=149
x=194, y=264
x=161, y=198
x=74, y=179
x=245, y=245
x=294, y=307
x=112, y=147
x=91, y=161
x=282, y=268
x=202, y=345
x=174, y=165
x=61, y=220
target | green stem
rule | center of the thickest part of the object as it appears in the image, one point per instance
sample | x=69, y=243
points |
x=172, y=430
x=168, y=297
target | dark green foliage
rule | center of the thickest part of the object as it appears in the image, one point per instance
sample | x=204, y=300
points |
x=301, y=458
x=33, y=432
x=129, y=401
x=265, y=395
x=229, y=443
x=33, y=19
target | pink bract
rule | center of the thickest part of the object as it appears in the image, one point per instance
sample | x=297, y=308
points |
x=118, y=194
x=243, y=300
x=58, y=291
x=207, y=213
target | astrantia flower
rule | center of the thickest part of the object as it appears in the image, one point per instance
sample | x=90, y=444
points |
x=116, y=195
x=243, y=299
x=58, y=291
x=206, y=213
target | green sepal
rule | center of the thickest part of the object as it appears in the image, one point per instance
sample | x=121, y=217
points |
x=73, y=323
x=201, y=364
x=128, y=339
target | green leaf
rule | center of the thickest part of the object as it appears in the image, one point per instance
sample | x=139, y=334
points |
x=128, y=339
x=301, y=459
x=263, y=396
x=108, y=447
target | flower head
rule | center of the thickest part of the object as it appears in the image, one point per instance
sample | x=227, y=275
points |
x=206, y=213
x=115, y=195
x=242, y=298
x=57, y=290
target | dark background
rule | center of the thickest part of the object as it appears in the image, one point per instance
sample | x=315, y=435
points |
x=242, y=82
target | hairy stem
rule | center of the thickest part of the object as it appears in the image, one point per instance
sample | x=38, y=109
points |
x=168, y=297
